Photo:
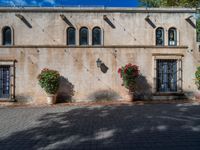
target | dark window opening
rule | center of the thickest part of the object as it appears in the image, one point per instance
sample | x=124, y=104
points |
x=172, y=37
x=71, y=36
x=166, y=75
x=160, y=36
x=7, y=36
x=4, y=81
x=96, y=36
x=198, y=25
x=83, y=36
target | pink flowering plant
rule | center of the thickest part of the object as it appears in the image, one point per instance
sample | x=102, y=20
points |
x=129, y=73
x=49, y=80
x=197, y=75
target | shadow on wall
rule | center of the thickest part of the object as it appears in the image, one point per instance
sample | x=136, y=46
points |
x=103, y=68
x=23, y=98
x=65, y=91
x=104, y=95
x=143, y=89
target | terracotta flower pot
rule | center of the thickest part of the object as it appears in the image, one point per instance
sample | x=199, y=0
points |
x=51, y=99
x=131, y=95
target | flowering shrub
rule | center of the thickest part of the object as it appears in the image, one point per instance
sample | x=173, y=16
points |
x=197, y=75
x=49, y=80
x=129, y=73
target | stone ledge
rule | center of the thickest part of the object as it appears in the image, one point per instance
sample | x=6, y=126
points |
x=91, y=46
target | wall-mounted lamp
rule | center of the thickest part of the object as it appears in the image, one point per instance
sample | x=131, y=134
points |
x=98, y=62
x=102, y=66
x=24, y=20
x=147, y=18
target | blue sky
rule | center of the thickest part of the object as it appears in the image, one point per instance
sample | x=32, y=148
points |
x=106, y=3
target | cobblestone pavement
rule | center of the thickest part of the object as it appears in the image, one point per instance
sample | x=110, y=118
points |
x=117, y=127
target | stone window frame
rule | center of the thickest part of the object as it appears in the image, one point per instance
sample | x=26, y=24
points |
x=88, y=36
x=12, y=35
x=163, y=36
x=96, y=27
x=176, y=36
x=179, y=59
x=67, y=37
x=77, y=36
x=11, y=64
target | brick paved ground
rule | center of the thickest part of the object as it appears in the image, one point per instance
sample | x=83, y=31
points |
x=117, y=127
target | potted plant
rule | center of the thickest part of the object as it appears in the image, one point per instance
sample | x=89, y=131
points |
x=49, y=81
x=197, y=78
x=129, y=74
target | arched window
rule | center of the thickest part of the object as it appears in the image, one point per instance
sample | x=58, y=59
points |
x=96, y=36
x=172, y=37
x=83, y=36
x=7, y=36
x=160, y=36
x=71, y=36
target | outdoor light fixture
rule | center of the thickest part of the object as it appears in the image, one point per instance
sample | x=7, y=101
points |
x=64, y=18
x=102, y=66
x=98, y=62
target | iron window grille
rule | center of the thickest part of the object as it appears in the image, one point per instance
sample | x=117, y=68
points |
x=167, y=75
x=5, y=83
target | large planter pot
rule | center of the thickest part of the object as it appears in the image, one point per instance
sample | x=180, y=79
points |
x=51, y=99
x=129, y=96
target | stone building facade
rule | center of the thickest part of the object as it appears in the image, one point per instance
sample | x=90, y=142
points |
x=88, y=45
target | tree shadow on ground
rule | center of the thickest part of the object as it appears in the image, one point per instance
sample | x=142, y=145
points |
x=123, y=127
x=65, y=91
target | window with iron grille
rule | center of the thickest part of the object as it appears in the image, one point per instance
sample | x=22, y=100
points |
x=4, y=81
x=166, y=72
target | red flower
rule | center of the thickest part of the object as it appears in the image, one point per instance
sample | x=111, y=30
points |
x=119, y=70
